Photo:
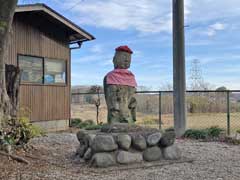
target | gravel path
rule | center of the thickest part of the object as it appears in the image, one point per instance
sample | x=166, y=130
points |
x=53, y=158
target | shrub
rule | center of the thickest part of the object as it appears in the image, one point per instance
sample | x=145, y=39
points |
x=75, y=122
x=88, y=124
x=20, y=131
x=209, y=133
x=196, y=134
x=82, y=125
x=214, y=131
x=238, y=131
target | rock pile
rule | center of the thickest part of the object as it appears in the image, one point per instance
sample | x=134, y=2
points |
x=108, y=148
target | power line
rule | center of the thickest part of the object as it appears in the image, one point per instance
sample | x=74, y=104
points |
x=73, y=6
x=27, y=1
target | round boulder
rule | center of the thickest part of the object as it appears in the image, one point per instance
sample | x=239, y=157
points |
x=88, y=154
x=103, y=160
x=81, y=150
x=90, y=138
x=167, y=139
x=104, y=143
x=171, y=152
x=152, y=154
x=124, y=141
x=139, y=142
x=81, y=135
x=125, y=157
x=153, y=139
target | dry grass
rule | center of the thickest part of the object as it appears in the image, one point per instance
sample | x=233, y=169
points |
x=86, y=112
x=194, y=121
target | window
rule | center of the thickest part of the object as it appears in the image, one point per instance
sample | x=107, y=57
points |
x=54, y=71
x=32, y=69
x=42, y=70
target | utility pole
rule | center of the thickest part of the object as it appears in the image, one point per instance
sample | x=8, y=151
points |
x=179, y=76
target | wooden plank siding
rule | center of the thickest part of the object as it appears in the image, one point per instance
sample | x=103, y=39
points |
x=46, y=102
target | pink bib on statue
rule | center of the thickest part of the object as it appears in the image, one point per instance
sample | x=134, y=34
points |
x=121, y=77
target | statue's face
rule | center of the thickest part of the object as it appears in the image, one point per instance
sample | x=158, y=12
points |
x=122, y=60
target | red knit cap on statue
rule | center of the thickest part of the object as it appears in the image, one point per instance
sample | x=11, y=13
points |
x=124, y=48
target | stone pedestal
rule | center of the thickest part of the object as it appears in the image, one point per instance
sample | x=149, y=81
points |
x=124, y=144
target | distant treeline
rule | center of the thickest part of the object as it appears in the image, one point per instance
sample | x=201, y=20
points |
x=207, y=102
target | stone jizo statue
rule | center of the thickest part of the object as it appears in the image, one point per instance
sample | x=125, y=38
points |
x=120, y=87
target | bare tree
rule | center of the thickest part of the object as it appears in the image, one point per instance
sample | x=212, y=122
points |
x=144, y=88
x=96, y=101
x=167, y=86
x=7, y=8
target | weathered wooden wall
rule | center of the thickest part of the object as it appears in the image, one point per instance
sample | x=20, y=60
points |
x=46, y=102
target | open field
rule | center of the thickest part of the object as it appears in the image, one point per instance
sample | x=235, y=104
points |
x=52, y=157
x=194, y=120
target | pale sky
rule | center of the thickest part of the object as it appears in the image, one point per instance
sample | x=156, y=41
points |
x=212, y=36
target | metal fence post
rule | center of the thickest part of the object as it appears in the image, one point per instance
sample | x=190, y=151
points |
x=160, y=109
x=228, y=113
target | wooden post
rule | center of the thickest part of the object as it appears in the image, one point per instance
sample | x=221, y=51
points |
x=179, y=79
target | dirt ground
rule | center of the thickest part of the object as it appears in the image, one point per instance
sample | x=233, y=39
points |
x=52, y=158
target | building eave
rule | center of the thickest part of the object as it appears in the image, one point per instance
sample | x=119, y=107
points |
x=85, y=36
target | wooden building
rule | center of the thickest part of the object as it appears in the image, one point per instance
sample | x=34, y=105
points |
x=40, y=44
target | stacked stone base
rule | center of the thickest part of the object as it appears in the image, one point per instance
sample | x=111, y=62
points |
x=124, y=144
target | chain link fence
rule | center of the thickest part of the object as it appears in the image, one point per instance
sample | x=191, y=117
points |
x=155, y=109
